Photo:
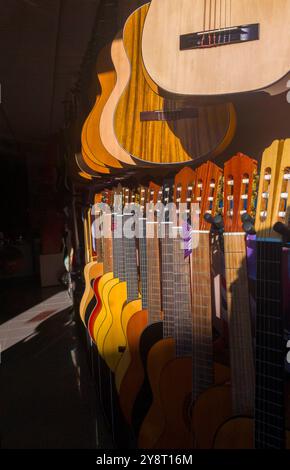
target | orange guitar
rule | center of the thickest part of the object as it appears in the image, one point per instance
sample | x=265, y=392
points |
x=217, y=404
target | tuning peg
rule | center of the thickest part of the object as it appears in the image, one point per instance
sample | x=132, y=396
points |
x=248, y=224
x=283, y=230
x=216, y=222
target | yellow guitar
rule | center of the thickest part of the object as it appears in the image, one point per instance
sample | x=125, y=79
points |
x=123, y=298
x=93, y=268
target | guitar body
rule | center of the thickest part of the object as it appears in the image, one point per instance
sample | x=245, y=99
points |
x=152, y=334
x=212, y=408
x=93, y=316
x=91, y=141
x=239, y=433
x=216, y=71
x=105, y=285
x=236, y=433
x=154, y=423
x=175, y=402
x=175, y=140
x=86, y=165
x=107, y=132
x=129, y=311
x=92, y=270
x=130, y=370
x=172, y=404
x=114, y=336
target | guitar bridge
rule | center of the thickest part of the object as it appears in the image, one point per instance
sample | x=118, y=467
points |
x=220, y=37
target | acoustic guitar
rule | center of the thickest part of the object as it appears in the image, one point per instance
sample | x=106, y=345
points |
x=126, y=358
x=268, y=429
x=155, y=130
x=212, y=48
x=145, y=327
x=106, y=244
x=92, y=270
x=217, y=404
x=91, y=142
x=124, y=298
x=87, y=166
x=110, y=278
x=187, y=311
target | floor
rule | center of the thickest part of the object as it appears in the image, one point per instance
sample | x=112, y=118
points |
x=47, y=397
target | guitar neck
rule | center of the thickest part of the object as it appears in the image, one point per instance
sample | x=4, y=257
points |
x=118, y=249
x=203, y=374
x=153, y=277
x=143, y=267
x=182, y=301
x=167, y=284
x=130, y=264
x=239, y=323
x=269, y=406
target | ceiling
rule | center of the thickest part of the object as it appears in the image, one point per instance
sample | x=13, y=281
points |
x=42, y=46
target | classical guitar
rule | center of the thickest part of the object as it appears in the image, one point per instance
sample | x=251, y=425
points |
x=87, y=166
x=213, y=47
x=106, y=242
x=124, y=298
x=189, y=342
x=130, y=333
x=92, y=270
x=91, y=142
x=217, y=404
x=111, y=278
x=145, y=327
x=155, y=130
x=268, y=429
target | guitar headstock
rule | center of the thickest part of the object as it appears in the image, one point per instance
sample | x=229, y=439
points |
x=239, y=174
x=208, y=192
x=184, y=186
x=154, y=193
x=273, y=203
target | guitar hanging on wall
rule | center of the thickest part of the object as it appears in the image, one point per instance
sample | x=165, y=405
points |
x=217, y=47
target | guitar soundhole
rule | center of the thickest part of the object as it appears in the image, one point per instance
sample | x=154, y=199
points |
x=220, y=37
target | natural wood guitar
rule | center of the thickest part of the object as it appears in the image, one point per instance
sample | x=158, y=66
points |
x=91, y=141
x=155, y=130
x=213, y=48
x=237, y=398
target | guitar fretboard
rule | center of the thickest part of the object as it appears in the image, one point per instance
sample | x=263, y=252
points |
x=239, y=323
x=118, y=249
x=203, y=375
x=153, y=277
x=167, y=284
x=143, y=266
x=130, y=258
x=269, y=403
x=182, y=301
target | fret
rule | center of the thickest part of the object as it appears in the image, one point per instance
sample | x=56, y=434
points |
x=153, y=278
